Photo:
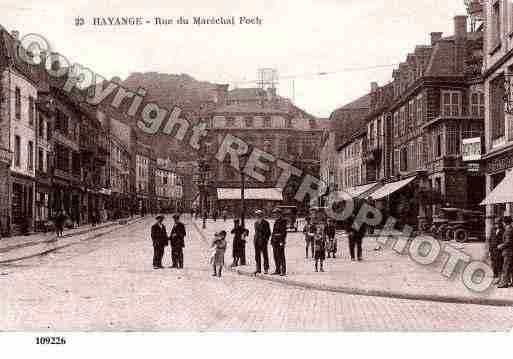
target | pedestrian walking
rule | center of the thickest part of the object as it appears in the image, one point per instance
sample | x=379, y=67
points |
x=278, y=241
x=507, y=254
x=238, y=242
x=331, y=245
x=495, y=253
x=260, y=240
x=309, y=232
x=225, y=215
x=319, y=249
x=356, y=239
x=219, y=248
x=177, y=241
x=159, y=239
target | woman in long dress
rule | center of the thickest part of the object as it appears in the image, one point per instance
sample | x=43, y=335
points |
x=219, y=247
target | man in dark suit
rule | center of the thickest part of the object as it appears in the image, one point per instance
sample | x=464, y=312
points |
x=177, y=240
x=159, y=239
x=495, y=253
x=262, y=235
x=278, y=241
x=507, y=253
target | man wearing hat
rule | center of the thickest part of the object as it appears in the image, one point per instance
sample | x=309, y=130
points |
x=262, y=235
x=159, y=239
x=176, y=238
x=278, y=240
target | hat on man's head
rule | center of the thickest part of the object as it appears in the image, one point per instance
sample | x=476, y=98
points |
x=160, y=217
x=220, y=234
x=259, y=212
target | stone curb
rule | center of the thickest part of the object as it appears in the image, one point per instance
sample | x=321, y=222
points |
x=379, y=292
x=48, y=251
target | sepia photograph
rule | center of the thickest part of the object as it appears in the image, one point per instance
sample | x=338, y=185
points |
x=327, y=166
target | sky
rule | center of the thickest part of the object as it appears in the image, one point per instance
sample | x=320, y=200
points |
x=355, y=42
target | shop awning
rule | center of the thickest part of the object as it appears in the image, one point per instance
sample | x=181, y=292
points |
x=270, y=194
x=359, y=191
x=390, y=188
x=503, y=193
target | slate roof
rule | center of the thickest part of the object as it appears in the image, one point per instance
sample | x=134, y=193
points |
x=350, y=120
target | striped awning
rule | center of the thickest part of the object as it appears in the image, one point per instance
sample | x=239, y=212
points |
x=270, y=194
x=358, y=191
x=503, y=193
x=390, y=188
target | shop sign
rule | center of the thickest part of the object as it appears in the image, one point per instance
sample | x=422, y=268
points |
x=471, y=149
x=501, y=163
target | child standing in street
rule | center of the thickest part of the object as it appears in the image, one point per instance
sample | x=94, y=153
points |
x=319, y=248
x=219, y=247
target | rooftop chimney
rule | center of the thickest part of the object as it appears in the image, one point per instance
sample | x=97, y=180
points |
x=435, y=37
x=460, y=26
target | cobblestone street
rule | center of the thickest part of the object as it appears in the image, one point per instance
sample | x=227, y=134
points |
x=108, y=284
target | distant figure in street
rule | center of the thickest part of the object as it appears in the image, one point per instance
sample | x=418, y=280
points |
x=238, y=242
x=356, y=239
x=59, y=220
x=214, y=215
x=278, y=241
x=261, y=239
x=495, y=252
x=225, y=215
x=331, y=245
x=319, y=248
x=177, y=241
x=507, y=253
x=219, y=246
x=159, y=239
x=309, y=232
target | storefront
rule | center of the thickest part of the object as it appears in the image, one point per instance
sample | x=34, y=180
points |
x=5, y=190
x=499, y=188
x=265, y=199
x=22, y=204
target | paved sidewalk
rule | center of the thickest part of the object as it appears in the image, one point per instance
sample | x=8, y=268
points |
x=21, y=247
x=382, y=273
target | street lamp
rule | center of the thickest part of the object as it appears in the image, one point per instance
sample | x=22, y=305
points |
x=242, y=188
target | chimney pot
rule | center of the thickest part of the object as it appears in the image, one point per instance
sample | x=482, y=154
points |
x=435, y=37
x=460, y=26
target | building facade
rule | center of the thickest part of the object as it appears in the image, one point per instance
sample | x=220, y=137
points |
x=497, y=73
x=351, y=168
x=168, y=187
x=272, y=124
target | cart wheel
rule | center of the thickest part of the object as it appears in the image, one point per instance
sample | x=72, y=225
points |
x=461, y=235
x=449, y=234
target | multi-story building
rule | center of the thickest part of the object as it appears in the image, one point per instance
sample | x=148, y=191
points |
x=18, y=117
x=498, y=89
x=266, y=121
x=437, y=107
x=144, y=171
x=377, y=152
x=351, y=169
x=168, y=186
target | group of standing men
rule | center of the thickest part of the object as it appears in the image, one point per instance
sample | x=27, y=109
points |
x=176, y=240
x=278, y=238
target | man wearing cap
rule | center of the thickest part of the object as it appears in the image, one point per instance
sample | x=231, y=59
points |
x=159, y=239
x=262, y=234
x=176, y=238
x=278, y=240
